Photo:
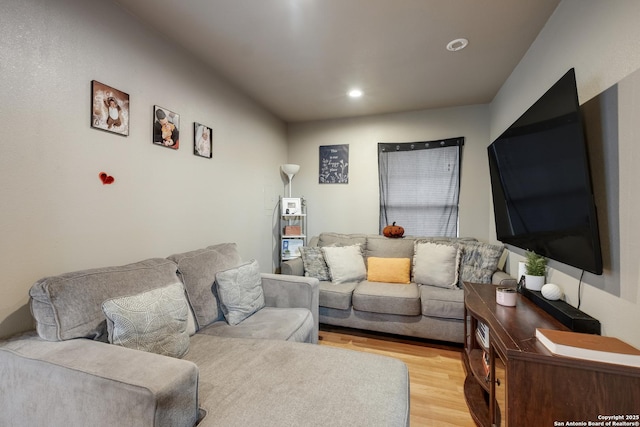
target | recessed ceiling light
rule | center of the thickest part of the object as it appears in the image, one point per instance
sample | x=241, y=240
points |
x=457, y=44
x=355, y=93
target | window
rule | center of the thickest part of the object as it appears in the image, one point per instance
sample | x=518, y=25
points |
x=420, y=186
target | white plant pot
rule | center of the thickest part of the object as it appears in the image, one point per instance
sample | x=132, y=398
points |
x=521, y=270
x=534, y=283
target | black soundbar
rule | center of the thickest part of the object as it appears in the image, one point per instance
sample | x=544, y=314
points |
x=566, y=314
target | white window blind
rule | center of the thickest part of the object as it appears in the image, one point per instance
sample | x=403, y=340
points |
x=420, y=186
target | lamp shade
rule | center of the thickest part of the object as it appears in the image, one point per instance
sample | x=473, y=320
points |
x=290, y=169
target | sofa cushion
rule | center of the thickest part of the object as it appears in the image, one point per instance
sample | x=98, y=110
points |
x=390, y=270
x=85, y=383
x=387, y=298
x=345, y=263
x=385, y=247
x=436, y=264
x=314, y=263
x=443, y=303
x=240, y=291
x=246, y=382
x=154, y=321
x=479, y=261
x=70, y=305
x=337, y=239
x=284, y=324
x=336, y=295
x=197, y=270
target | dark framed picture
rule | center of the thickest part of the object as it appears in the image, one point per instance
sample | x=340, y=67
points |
x=109, y=109
x=202, y=144
x=166, y=128
x=334, y=164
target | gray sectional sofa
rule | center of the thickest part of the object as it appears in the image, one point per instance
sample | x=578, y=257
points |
x=152, y=344
x=424, y=310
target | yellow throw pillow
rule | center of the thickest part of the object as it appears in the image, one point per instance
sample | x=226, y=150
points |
x=389, y=270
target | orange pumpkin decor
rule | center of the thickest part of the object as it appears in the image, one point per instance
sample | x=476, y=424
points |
x=393, y=230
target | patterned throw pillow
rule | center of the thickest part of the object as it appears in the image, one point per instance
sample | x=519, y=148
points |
x=154, y=321
x=436, y=264
x=240, y=291
x=479, y=261
x=314, y=263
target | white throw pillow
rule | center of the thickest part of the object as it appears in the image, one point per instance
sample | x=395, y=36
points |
x=436, y=264
x=345, y=263
x=154, y=321
x=240, y=291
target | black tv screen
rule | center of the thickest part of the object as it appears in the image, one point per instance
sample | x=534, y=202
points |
x=541, y=183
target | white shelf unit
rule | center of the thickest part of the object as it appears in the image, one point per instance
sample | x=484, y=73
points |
x=291, y=241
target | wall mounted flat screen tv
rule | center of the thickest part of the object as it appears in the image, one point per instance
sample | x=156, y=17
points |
x=541, y=183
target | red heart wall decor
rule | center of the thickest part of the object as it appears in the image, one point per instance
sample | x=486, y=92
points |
x=106, y=179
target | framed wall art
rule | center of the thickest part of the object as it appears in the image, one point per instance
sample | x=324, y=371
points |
x=166, y=128
x=334, y=164
x=109, y=109
x=202, y=144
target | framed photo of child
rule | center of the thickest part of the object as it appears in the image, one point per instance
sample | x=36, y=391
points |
x=166, y=128
x=109, y=109
x=202, y=144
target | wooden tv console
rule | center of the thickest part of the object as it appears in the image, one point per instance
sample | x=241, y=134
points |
x=523, y=384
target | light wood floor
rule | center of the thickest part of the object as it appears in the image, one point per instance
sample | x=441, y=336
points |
x=435, y=371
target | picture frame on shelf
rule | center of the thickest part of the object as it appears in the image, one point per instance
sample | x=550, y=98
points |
x=291, y=206
x=109, y=109
x=166, y=128
x=202, y=143
x=291, y=248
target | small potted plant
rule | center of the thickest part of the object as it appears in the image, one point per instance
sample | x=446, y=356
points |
x=535, y=270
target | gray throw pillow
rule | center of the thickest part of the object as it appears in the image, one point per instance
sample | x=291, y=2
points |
x=345, y=263
x=240, y=291
x=154, y=321
x=436, y=264
x=314, y=263
x=197, y=270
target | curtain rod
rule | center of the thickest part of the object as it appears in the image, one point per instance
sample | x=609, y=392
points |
x=385, y=147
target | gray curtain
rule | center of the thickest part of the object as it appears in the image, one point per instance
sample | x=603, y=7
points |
x=420, y=186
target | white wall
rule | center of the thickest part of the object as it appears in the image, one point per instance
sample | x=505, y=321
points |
x=56, y=215
x=601, y=41
x=354, y=207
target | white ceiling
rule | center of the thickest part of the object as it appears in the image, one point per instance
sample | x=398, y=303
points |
x=298, y=58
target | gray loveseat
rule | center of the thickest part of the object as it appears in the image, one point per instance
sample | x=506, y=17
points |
x=411, y=309
x=263, y=371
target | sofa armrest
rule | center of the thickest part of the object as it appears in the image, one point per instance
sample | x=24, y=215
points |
x=292, y=267
x=88, y=383
x=503, y=279
x=293, y=292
